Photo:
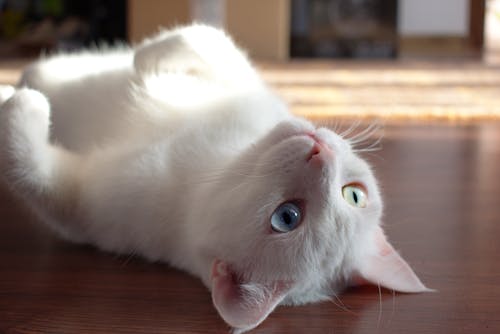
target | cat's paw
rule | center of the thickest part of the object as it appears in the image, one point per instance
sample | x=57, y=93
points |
x=6, y=91
x=25, y=116
x=29, y=103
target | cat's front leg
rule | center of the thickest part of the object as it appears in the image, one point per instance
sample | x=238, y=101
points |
x=25, y=157
x=42, y=173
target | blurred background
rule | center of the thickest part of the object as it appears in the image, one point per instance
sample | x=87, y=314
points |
x=270, y=29
x=298, y=45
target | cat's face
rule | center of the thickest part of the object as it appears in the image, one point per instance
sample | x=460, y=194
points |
x=295, y=219
x=299, y=199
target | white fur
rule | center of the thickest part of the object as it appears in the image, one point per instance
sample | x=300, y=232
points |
x=176, y=150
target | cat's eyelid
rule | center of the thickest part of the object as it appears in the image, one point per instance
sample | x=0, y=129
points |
x=357, y=184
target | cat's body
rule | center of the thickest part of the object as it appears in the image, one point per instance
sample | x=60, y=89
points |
x=176, y=151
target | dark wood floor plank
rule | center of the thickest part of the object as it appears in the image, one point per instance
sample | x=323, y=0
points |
x=442, y=191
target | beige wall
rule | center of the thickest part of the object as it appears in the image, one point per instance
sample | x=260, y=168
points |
x=261, y=27
x=146, y=16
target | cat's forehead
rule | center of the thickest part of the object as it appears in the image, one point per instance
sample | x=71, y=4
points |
x=355, y=166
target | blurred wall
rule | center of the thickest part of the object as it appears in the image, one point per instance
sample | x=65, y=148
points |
x=433, y=17
x=146, y=16
x=260, y=26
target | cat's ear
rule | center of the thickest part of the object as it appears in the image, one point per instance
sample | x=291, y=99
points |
x=387, y=268
x=243, y=305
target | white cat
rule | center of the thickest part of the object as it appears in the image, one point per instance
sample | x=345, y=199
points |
x=177, y=151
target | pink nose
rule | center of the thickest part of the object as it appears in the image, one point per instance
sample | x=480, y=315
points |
x=320, y=151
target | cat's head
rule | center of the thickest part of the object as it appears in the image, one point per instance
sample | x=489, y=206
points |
x=296, y=219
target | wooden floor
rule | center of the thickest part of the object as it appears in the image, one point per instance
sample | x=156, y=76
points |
x=442, y=191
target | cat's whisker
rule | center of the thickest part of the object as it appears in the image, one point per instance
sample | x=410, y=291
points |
x=358, y=141
x=235, y=188
x=337, y=302
x=373, y=154
x=129, y=258
x=336, y=125
x=363, y=135
x=369, y=128
x=393, y=305
x=367, y=150
x=379, y=320
x=204, y=179
x=330, y=123
x=220, y=175
x=377, y=141
x=351, y=129
x=261, y=164
x=266, y=207
x=375, y=146
x=257, y=176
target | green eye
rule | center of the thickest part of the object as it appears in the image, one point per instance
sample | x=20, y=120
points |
x=354, y=195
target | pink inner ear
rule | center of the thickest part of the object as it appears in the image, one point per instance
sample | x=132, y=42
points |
x=243, y=305
x=388, y=269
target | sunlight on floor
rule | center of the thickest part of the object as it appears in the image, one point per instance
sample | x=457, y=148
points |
x=443, y=90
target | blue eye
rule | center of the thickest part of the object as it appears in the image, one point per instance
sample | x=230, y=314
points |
x=286, y=217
